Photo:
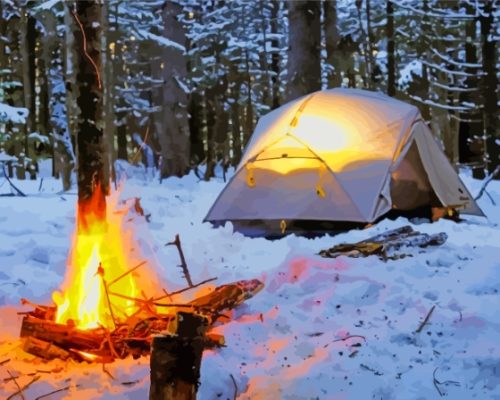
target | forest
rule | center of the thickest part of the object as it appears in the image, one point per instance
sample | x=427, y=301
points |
x=183, y=83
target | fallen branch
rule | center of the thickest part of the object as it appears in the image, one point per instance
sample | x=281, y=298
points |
x=6, y=176
x=426, y=320
x=21, y=390
x=486, y=182
x=4, y=361
x=16, y=383
x=185, y=270
x=436, y=382
x=43, y=396
x=235, y=395
x=349, y=337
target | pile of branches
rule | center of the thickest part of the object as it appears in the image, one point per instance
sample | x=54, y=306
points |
x=47, y=339
x=389, y=245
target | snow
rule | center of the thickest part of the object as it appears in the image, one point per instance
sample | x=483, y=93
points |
x=289, y=342
x=16, y=115
x=162, y=41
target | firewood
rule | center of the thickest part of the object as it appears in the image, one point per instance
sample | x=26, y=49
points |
x=61, y=335
x=386, y=244
x=176, y=359
x=43, y=349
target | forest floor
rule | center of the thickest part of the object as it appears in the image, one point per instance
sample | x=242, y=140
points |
x=284, y=343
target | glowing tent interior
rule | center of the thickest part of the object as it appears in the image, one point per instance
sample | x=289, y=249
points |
x=339, y=155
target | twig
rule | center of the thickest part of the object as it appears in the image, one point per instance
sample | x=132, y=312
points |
x=126, y=273
x=20, y=391
x=100, y=271
x=185, y=289
x=6, y=176
x=177, y=243
x=107, y=372
x=349, y=337
x=487, y=181
x=436, y=382
x=235, y=387
x=4, y=361
x=43, y=396
x=16, y=383
x=426, y=320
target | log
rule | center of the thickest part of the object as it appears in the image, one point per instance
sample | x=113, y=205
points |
x=386, y=245
x=176, y=359
x=45, y=350
x=61, y=335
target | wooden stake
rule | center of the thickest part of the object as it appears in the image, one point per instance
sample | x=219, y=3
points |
x=176, y=359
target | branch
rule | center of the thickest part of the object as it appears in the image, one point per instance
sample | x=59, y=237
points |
x=185, y=270
x=20, y=391
x=426, y=320
x=6, y=176
x=487, y=181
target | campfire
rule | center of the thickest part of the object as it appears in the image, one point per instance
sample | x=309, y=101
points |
x=112, y=302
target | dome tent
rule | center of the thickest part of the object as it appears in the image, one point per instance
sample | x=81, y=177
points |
x=340, y=155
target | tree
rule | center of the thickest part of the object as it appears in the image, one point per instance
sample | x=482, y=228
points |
x=304, y=61
x=90, y=138
x=174, y=141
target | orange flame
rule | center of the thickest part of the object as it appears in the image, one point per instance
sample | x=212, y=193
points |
x=97, y=267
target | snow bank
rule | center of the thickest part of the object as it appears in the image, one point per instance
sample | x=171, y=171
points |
x=321, y=328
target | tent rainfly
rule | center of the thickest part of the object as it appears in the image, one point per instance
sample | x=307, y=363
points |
x=340, y=155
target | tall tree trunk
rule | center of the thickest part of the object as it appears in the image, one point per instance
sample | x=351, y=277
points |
x=391, y=66
x=196, y=127
x=27, y=37
x=235, y=117
x=90, y=138
x=174, y=141
x=304, y=61
x=210, y=94
x=62, y=150
x=249, y=105
x=332, y=40
x=489, y=86
x=275, y=57
x=471, y=122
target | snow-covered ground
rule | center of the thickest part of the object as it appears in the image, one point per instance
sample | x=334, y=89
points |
x=284, y=343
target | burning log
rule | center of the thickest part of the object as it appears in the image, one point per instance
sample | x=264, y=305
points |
x=176, y=359
x=386, y=245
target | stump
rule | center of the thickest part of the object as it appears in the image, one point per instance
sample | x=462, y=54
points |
x=176, y=359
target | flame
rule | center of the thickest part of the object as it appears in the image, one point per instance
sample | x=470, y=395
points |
x=97, y=267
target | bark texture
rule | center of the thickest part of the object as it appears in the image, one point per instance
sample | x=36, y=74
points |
x=90, y=146
x=304, y=68
x=174, y=137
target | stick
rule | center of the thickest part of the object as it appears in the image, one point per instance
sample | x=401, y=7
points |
x=43, y=396
x=20, y=391
x=185, y=289
x=177, y=243
x=100, y=271
x=126, y=273
x=4, y=361
x=6, y=176
x=487, y=181
x=16, y=383
x=435, y=381
x=426, y=320
x=235, y=387
x=349, y=337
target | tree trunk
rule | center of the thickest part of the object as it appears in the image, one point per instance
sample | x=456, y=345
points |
x=90, y=139
x=391, y=66
x=471, y=123
x=235, y=118
x=332, y=40
x=174, y=141
x=489, y=86
x=275, y=57
x=210, y=120
x=27, y=37
x=304, y=61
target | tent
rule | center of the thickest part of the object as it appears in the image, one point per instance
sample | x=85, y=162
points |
x=340, y=155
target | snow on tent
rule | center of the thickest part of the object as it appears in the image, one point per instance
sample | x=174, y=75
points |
x=339, y=155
